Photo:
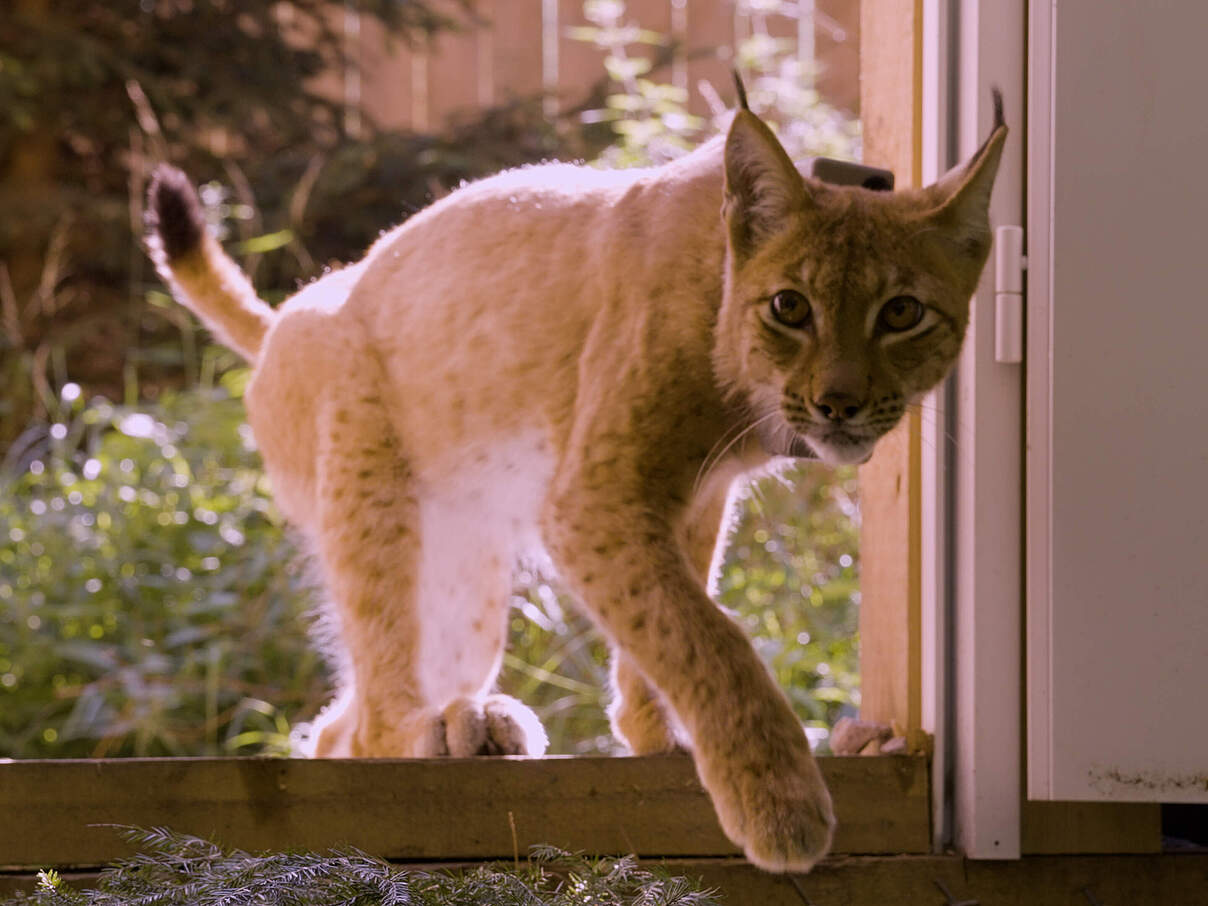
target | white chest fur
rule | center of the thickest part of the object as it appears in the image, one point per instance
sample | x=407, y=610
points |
x=476, y=519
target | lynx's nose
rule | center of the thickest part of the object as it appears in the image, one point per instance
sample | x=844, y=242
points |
x=836, y=405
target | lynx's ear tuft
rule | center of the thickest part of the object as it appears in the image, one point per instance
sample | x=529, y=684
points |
x=764, y=191
x=999, y=119
x=741, y=89
x=963, y=193
x=174, y=214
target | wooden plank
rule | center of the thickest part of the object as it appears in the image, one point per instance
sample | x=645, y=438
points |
x=890, y=536
x=890, y=86
x=709, y=45
x=452, y=77
x=422, y=809
x=837, y=51
x=890, y=603
x=1051, y=828
x=782, y=26
x=516, y=49
x=386, y=64
x=580, y=63
x=655, y=16
x=1032, y=881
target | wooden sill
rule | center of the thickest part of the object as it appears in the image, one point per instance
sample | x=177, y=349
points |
x=909, y=880
x=435, y=810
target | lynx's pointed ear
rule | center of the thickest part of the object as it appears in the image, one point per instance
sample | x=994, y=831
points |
x=963, y=193
x=763, y=188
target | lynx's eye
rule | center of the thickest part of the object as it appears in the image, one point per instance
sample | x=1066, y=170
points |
x=791, y=308
x=901, y=313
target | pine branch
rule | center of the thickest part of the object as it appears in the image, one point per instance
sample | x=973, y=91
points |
x=181, y=870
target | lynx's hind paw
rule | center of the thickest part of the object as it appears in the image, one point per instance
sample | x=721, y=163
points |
x=465, y=728
x=513, y=728
x=496, y=725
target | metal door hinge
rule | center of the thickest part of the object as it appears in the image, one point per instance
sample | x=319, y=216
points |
x=1009, y=266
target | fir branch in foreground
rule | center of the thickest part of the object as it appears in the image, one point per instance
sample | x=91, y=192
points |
x=180, y=870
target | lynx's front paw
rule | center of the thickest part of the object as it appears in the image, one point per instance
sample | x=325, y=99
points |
x=778, y=810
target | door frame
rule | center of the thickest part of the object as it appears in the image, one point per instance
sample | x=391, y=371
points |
x=972, y=475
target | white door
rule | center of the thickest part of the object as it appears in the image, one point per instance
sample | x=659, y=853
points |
x=1117, y=401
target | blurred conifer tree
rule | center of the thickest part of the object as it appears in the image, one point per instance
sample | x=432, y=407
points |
x=94, y=92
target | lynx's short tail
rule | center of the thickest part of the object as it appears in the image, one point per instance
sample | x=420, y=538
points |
x=201, y=275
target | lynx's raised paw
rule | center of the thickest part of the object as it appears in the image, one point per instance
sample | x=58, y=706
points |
x=496, y=725
x=779, y=813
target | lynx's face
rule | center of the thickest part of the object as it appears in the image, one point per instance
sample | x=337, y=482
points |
x=842, y=306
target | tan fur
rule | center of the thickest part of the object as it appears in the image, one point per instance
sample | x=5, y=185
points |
x=219, y=292
x=582, y=361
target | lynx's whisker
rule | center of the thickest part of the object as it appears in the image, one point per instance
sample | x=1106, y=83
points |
x=711, y=460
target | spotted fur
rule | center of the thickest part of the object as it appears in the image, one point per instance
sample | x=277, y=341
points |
x=580, y=363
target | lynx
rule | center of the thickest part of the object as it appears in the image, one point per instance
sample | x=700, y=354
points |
x=582, y=362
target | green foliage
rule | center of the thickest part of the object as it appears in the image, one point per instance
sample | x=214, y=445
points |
x=651, y=118
x=791, y=575
x=558, y=665
x=150, y=600
x=780, y=88
x=140, y=626
x=179, y=870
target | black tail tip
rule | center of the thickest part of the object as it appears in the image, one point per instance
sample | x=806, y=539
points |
x=999, y=119
x=174, y=213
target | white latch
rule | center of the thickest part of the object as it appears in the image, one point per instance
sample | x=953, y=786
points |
x=1009, y=265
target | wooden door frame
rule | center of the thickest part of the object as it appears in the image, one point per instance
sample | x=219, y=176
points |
x=891, y=676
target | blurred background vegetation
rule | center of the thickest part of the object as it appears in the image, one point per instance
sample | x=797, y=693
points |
x=151, y=599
